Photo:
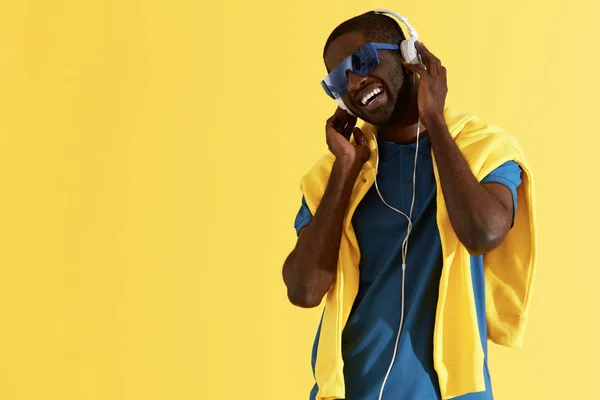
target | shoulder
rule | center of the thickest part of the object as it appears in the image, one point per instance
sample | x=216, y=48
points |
x=485, y=146
x=477, y=135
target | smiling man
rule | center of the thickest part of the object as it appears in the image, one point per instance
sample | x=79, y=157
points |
x=409, y=319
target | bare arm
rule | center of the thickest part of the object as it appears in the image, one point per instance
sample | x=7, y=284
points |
x=480, y=214
x=310, y=269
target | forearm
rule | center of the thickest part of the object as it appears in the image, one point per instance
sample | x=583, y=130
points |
x=311, y=267
x=478, y=217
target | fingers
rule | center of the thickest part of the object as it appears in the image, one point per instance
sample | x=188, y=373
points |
x=359, y=137
x=342, y=122
x=345, y=124
x=416, y=68
x=336, y=122
x=433, y=64
x=338, y=113
x=351, y=123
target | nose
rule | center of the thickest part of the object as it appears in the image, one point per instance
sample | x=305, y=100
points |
x=355, y=81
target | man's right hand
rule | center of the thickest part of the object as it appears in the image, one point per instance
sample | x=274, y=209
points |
x=338, y=130
x=311, y=268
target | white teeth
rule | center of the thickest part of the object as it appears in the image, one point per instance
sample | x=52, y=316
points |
x=369, y=95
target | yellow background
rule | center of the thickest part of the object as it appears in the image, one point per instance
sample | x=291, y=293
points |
x=150, y=158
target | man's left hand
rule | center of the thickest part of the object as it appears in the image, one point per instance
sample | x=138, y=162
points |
x=433, y=85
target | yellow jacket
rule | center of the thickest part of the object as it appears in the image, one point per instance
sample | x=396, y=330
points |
x=509, y=269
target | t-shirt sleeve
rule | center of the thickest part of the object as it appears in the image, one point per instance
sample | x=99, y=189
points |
x=303, y=217
x=509, y=175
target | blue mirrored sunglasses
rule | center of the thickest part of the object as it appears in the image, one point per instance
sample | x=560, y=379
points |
x=362, y=62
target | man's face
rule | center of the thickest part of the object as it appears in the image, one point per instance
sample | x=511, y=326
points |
x=388, y=76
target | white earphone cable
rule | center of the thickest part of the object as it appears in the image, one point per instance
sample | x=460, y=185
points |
x=404, y=243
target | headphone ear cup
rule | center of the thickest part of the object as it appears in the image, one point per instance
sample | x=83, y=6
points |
x=409, y=51
x=342, y=105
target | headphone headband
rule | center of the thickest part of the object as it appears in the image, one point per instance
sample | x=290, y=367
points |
x=411, y=31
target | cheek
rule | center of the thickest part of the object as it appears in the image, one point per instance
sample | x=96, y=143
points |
x=392, y=74
x=394, y=80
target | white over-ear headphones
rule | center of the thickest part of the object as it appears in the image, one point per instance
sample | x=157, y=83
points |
x=342, y=105
x=407, y=47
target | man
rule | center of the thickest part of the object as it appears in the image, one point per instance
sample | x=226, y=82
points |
x=376, y=362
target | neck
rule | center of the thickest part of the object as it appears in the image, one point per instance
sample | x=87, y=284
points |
x=402, y=133
x=402, y=129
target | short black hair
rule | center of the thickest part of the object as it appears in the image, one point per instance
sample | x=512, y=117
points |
x=374, y=26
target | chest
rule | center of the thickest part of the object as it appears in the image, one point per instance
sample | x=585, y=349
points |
x=401, y=186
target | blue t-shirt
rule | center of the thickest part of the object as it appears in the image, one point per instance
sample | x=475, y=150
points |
x=370, y=334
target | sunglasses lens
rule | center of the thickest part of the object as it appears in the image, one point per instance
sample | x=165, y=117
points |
x=372, y=65
x=356, y=64
x=362, y=62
